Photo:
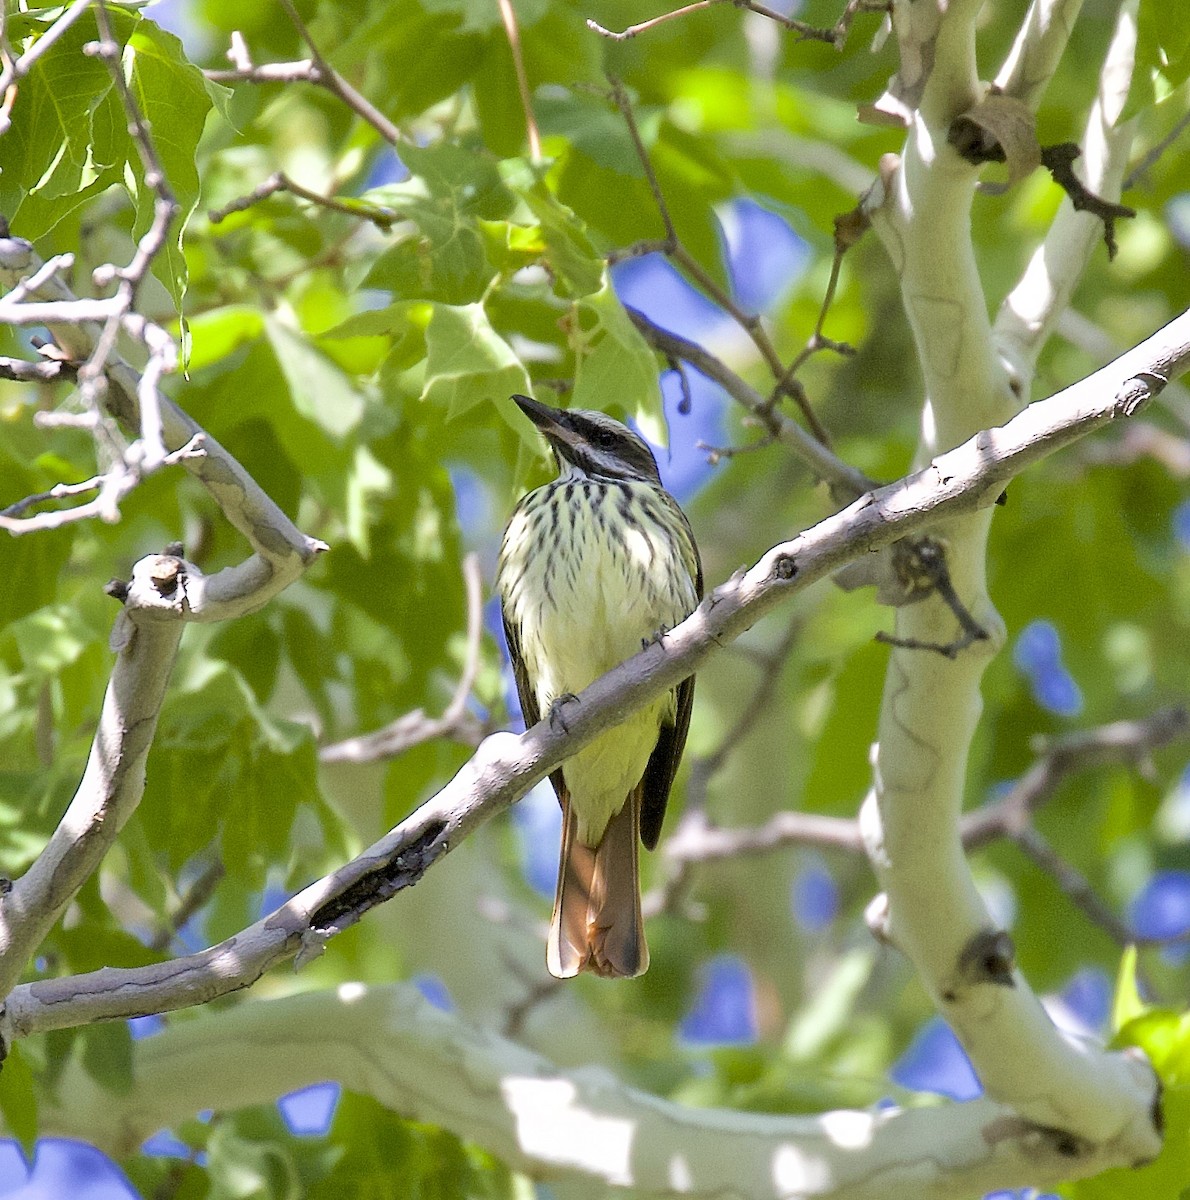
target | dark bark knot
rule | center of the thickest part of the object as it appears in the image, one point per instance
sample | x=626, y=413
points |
x=1065, y=1143
x=1137, y=392
x=784, y=567
x=381, y=883
x=165, y=574
x=989, y=958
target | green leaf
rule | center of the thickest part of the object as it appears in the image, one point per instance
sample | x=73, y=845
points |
x=468, y=363
x=614, y=364
x=452, y=189
x=1126, y=1004
x=591, y=126
x=216, y=740
x=576, y=265
x=107, y=1055
x=37, y=561
x=51, y=638
x=320, y=390
x=49, y=168
x=1164, y=1035
x=90, y=947
x=18, y=1100
x=1162, y=55
x=383, y=1155
x=393, y=319
x=244, y=1169
x=414, y=58
x=216, y=333
x=165, y=84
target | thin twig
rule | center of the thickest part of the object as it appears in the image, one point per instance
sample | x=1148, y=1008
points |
x=716, y=454
x=1073, y=884
x=197, y=894
x=772, y=665
x=673, y=248
x=1150, y=159
x=1118, y=742
x=846, y=482
x=151, y=452
x=303, y=70
x=1143, y=440
x=43, y=274
x=112, y=487
x=1059, y=161
x=414, y=728
x=380, y=216
x=696, y=840
x=473, y=585
x=835, y=35
x=57, y=492
x=508, y=15
x=694, y=825
x=329, y=78
x=49, y=370
x=921, y=571
x=621, y=100
x=849, y=228
x=644, y=26
x=16, y=69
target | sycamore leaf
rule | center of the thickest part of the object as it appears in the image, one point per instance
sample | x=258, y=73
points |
x=320, y=390
x=165, y=83
x=615, y=367
x=18, y=1099
x=468, y=362
x=452, y=189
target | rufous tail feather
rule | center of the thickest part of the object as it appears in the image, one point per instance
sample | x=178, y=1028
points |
x=597, y=924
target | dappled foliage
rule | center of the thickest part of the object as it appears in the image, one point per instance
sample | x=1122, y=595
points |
x=358, y=362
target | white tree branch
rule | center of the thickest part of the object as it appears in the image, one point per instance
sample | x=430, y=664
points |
x=282, y=551
x=1032, y=309
x=145, y=637
x=931, y=705
x=1038, y=49
x=163, y=593
x=505, y=766
x=389, y=1043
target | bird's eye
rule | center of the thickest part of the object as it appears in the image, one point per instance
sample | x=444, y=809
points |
x=605, y=439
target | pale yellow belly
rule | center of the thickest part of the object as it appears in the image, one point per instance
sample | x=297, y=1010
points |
x=580, y=613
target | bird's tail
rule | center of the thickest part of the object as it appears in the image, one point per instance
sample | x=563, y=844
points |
x=597, y=924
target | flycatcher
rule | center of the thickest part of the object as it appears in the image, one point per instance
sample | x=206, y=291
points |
x=592, y=567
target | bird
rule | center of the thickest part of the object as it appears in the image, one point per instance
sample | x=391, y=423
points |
x=594, y=566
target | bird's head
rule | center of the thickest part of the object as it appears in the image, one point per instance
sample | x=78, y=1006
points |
x=592, y=443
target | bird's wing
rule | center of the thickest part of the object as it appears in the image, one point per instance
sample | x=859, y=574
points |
x=667, y=753
x=524, y=690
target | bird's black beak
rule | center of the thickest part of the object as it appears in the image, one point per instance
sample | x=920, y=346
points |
x=553, y=422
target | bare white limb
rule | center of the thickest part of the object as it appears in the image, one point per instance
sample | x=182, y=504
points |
x=112, y=487
x=145, y=638
x=1031, y=310
x=921, y=210
x=1079, y=330
x=389, y=1043
x=1038, y=49
x=931, y=705
x=282, y=551
x=505, y=766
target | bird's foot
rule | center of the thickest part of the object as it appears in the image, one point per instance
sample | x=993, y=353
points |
x=557, y=720
x=659, y=636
